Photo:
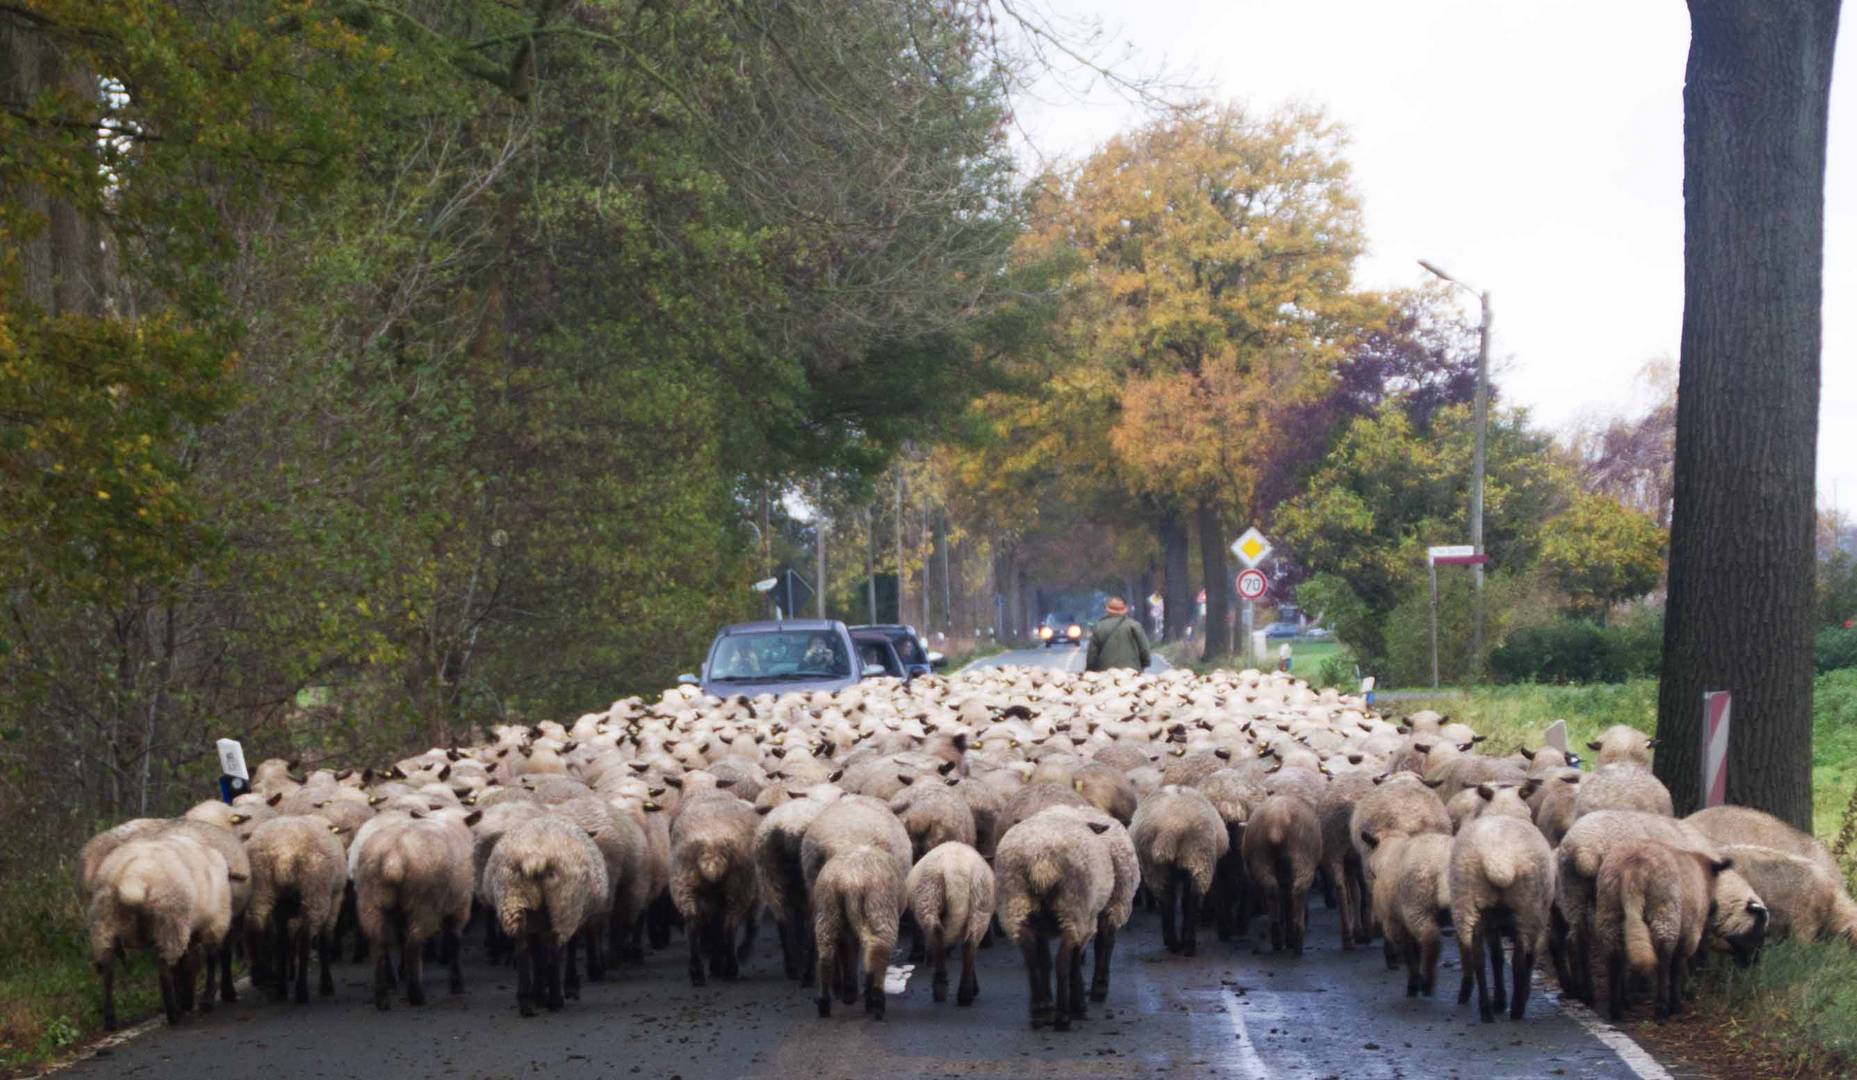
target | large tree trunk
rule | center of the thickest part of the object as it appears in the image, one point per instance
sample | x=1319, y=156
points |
x=1739, y=615
x=63, y=264
x=1178, y=598
x=1218, y=582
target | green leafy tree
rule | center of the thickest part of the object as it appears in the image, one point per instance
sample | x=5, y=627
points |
x=1601, y=552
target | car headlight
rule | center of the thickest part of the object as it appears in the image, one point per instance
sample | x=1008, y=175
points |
x=1044, y=632
x=1075, y=631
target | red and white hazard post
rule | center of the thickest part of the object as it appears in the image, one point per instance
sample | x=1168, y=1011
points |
x=1715, y=710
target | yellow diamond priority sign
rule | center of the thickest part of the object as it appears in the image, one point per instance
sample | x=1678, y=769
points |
x=1251, y=548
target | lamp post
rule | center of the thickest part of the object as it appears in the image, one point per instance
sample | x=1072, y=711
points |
x=1476, y=462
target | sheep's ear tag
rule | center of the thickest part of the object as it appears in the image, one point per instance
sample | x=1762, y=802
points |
x=651, y=808
x=1099, y=827
x=336, y=829
x=239, y=819
x=473, y=818
x=1077, y=784
x=654, y=792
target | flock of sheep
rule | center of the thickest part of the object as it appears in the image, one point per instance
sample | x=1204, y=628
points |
x=1035, y=802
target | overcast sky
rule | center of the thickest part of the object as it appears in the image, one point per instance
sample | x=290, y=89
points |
x=1532, y=148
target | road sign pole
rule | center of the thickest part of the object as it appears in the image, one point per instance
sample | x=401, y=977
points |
x=1715, y=715
x=1249, y=607
x=1432, y=567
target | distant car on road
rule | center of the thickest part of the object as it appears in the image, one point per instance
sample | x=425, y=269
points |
x=1281, y=629
x=1060, y=628
x=918, y=658
x=781, y=658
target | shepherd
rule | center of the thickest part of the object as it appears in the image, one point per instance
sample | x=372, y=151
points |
x=1118, y=641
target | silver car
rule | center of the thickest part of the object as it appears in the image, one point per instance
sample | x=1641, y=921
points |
x=789, y=656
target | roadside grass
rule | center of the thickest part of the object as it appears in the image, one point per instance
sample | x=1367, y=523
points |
x=978, y=651
x=49, y=1001
x=1797, y=1006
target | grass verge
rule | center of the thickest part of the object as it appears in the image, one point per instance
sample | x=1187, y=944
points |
x=49, y=1002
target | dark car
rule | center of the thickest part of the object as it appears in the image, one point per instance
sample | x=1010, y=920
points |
x=782, y=658
x=909, y=648
x=1060, y=628
x=879, y=654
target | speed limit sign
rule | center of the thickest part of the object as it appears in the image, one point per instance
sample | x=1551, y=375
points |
x=1252, y=585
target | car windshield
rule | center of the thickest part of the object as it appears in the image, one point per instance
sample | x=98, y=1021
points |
x=907, y=650
x=874, y=655
x=780, y=654
x=1063, y=620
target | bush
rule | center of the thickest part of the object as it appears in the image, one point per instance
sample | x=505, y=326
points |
x=1576, y=650
x=1835, y=648
x=1337, y=669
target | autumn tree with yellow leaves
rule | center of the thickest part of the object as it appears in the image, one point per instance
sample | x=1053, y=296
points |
x=1215, y=289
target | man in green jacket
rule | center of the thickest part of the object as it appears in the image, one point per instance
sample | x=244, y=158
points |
x=1118, y=641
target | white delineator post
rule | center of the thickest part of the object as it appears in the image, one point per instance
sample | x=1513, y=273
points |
x=1715, y=714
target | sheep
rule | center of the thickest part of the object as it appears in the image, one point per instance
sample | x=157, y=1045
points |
x=547, y=883
x=1622, y=786
x=1341, y=863
x=98, y=848
x=1554, y=803
x=1620, y=744
x=1179, y=839
x=1802, y=898
x=1234, y=796
x=782, y=884
x=985, y=801
x=857, y=901
x=933, y=814
x=1504, y=799
x=951, y=897
x=1737, y=922
x=1502, y=881
x=412, y=878
x=241, y=821
x=1471, y=770
x=1651, y=903
x=299, y=875
x=1282, y=848
x=1746, y=825
x=1412, y=900
x=1125, y=865
x=626, y=854
x=168, y=894
x=712, y=879
x=1053, y=879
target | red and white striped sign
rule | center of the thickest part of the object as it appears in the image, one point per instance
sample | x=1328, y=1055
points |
x=1715, y=747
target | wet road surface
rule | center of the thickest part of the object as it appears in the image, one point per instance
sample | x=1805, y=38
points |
x=1228, y=1012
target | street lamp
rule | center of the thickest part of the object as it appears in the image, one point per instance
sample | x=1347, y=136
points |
x=1476, y=463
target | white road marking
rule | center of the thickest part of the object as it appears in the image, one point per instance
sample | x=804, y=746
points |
x=1628, y=1051
x=896, y=978
x=1249, y=1061
x=111, y=1042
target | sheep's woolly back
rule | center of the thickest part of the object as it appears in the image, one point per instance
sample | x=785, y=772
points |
x=1745, y=825
x=1802, y=899
x=852, y=822
x=162, y=893
x=1052, y=863
x=933, y=814
x=777, y=856
x=1502, y=862
x=1651, y=900
x=1123, y=860
x=300, y=857
x=547, y=874
x=1399, y=806
x=416, y=868
x=1622, y=787
x=951, y=894
x=1177, y=828
x=712, y=855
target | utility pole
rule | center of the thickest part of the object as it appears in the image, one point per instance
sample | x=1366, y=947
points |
x=1481, y=420
x=900, y=575
x=819, y=594
x=870, y=560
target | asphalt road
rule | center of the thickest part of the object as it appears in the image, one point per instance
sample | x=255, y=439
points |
x=1228, y=1012
x=1061, y=657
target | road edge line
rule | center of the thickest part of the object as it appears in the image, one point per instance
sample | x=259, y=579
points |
x=1635, y=1057
x=118, y=1038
